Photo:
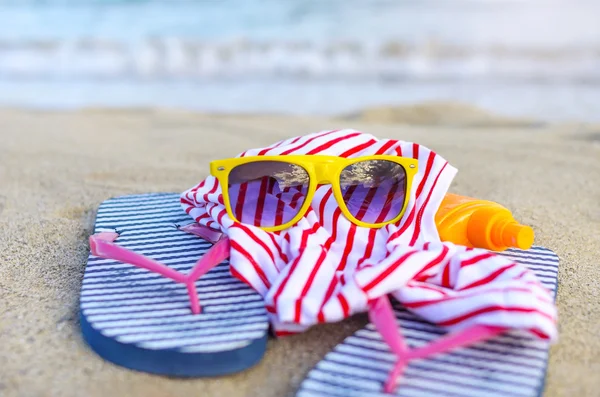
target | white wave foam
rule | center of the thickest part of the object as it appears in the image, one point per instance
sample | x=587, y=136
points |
x=186, y=59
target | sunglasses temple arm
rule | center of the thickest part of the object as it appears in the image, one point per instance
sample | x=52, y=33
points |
x=382, y=316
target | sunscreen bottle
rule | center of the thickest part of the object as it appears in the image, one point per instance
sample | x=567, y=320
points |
x=480, y=224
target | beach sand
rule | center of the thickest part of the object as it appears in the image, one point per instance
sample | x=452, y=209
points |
x=57, y=167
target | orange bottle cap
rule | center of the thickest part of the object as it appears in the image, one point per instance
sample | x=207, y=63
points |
x=495, y=229
x=518, y=236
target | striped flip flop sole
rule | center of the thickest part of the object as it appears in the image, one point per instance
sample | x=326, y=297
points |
x=507, y=365
x=142, y=320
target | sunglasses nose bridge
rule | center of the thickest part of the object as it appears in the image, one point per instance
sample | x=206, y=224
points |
x=325, y=173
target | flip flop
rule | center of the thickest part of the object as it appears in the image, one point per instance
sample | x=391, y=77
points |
x=503, y=365
x=142, y=318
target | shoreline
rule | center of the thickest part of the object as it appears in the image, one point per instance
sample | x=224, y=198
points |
x=432, y=113
x=438, y=113
x=556, y=102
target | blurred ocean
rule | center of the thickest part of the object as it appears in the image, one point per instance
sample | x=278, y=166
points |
x=537, y=58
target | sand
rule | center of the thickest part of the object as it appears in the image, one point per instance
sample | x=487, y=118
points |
x=57, y=167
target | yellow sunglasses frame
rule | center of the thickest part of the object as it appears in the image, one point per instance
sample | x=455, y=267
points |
x=321, y=170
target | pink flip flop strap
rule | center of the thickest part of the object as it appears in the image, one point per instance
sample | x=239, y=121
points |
x=201, y=231
x=382, y=316
x=103, y=246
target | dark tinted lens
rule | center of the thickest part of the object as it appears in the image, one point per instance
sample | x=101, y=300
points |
x=374, y=190
x=267, y=193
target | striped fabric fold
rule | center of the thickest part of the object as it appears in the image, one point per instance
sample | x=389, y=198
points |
x=325, y=268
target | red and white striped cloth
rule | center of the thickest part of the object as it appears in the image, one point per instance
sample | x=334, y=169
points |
x=325, y=268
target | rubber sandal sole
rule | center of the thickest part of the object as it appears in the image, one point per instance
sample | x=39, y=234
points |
x=506, y=365
x=142, y=321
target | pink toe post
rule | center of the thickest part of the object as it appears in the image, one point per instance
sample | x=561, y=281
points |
x=102, y=245
x=204, y=232
x=382, y=316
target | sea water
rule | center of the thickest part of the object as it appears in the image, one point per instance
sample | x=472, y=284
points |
x=533, y=58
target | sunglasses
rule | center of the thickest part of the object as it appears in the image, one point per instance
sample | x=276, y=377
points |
x=275, y=192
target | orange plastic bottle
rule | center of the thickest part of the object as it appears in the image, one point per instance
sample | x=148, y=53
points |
x=480, y=224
